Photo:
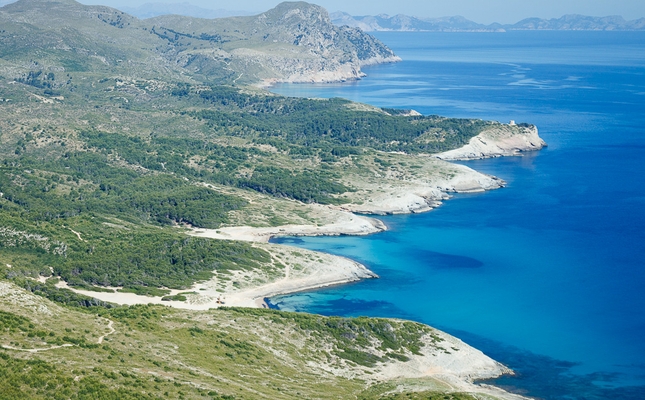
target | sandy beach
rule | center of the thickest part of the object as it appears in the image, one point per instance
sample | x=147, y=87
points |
x=346, y=223
x=294, y=270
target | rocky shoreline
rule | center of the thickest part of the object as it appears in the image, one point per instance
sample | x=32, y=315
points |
x=510, y=140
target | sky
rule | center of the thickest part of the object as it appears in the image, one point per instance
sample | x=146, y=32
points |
x=481, y=11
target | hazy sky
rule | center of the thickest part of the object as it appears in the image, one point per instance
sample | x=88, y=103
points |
x=482, y=11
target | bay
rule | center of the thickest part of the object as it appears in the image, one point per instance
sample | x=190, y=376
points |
x=548, y=274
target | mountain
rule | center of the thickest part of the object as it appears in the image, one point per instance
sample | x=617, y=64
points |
x=574, y=22
x=294, y=42
x=384, y=22
x=149, y=10
x=400, y=22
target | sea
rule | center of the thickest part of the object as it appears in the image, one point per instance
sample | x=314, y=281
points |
x=546, y=275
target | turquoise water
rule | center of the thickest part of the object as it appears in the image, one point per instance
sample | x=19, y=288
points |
x=548, y=274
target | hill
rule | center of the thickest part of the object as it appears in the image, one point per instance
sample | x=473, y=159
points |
x=406, y=23
x=575, y=22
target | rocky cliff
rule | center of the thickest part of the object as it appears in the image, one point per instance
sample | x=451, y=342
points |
x=294, y=42
x=503, y=140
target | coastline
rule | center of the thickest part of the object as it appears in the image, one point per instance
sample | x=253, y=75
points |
x=295, y=270
x=442, y=362
x=300, y=269
x=344, y=73
x=512, y=141
x=346, y=223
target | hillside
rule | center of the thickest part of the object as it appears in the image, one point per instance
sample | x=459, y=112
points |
x=293, y=42
x=575, y=22
x=130, y=174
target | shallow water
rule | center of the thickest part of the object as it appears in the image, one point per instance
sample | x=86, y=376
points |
x=548, y=274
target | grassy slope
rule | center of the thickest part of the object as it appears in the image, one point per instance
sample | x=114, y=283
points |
x=157, y=352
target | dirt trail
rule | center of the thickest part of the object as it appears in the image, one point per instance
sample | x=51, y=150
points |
x=287, y=266
x=77, y=234
x=4, y=346
x=112, y=330
x=37, y=350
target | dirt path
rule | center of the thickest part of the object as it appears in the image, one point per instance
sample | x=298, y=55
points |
x=287, y=267
x=99, y=341
x=4, y=346
x=112, y=330
x=77, y=234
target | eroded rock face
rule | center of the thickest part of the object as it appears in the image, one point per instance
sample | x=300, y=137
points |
x=313, y=49
x=294, y=42
x=503, y=140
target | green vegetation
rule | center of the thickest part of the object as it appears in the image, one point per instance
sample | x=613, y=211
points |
x=159, y=352
x=139, y=261
x=25, y=379
x=168, y=260
x=332, y=126
x=61, y=296
x=172, y=155
x=177, y=297
x=160, y=199
x=425, y=395
x=353, y=337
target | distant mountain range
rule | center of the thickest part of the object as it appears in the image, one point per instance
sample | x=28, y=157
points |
x=401, y=22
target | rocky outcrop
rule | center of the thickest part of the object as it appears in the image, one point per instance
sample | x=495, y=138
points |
x=320, y=51
x=293, y=42
x=419, y=186
x=503, y=140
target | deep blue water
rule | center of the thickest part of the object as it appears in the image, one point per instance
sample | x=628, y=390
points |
x=548, y=274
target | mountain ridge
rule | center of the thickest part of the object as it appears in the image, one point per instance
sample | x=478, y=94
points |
x=400, y=22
